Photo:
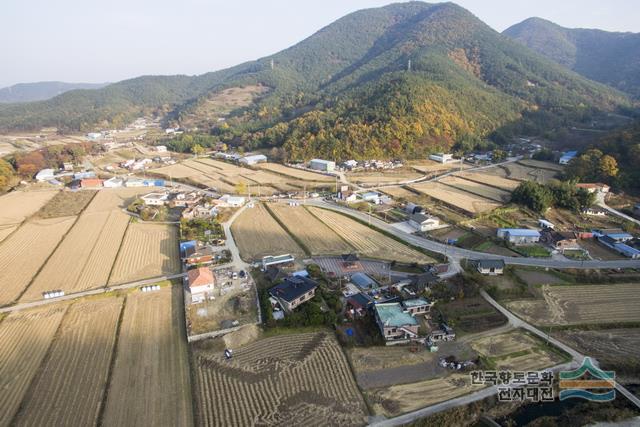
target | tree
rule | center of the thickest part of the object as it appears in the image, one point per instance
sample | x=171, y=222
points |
x=499, y=155
x=6, y=174
x=197, y=150
x=30, y=163
x=241, y=187
x=608, y=167
x=535, y=196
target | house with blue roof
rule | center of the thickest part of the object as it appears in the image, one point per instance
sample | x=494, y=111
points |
x=396, y=324
x=363, y=281
x=567, y=157
x=519, y=236
x=293, y=291
x=417, y=306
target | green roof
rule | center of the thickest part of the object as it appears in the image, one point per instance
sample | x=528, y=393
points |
x=391, y=314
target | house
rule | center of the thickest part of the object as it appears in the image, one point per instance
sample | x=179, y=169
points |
x=67, y=166
x=543, y=223
x=132, y=182
x=422, y=281
x=161, y=148
x=371, y=196
x=293, y=291
x=201, y=284
x=200, y=211
x=322, y=165
x=94, y=136
x=519, y=236
x=91, y=183
x=253, y=160
x=113, y=182
x=199, y=255
x=441, y=157
x=275, y=274
x=269, y=260
x=445, y=333
x=417, y=306
x=423, y=222
x=350, y=164
x=594, y=211
x=396, y=325
x=358, y=305
x=561, y=240
x=595, y=187
x=45, y=175
x=184, y=200
x=232, y=201
x=363, y=281
x=155, y=199
x=491, y=267
x=347, y=196
x=567, y=157
x=84, y=175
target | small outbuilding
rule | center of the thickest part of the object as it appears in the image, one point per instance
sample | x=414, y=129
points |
x=491, y=267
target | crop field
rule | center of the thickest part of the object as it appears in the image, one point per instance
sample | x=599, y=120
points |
x=24, y=252
x=85, y=257
x=402, y=398
x=150, y=384
x=300, y=379
x=367, y=241
x=70, y=384
x=19, y=205
x=456, y=198
x=542, y=165
x=477, y=188
x=298, y=174
x=609, y=346
x=25, y=338
x=308, y=229
x=516, y=350
x=582, y=304
x=66, y=203
x=490, y=179
x=386, y=177
x=526, y=173
x=115, y=198
x=258, y=234
x=148, y=250
x=429, y=167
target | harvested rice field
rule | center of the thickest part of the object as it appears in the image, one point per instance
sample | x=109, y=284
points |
x=477, y=188
x=298, y=174
x=490, y=179
x=459, y=199
x=19, y=205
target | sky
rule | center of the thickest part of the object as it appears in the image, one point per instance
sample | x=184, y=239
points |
x=111, y=40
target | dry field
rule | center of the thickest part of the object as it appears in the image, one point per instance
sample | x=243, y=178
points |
x=25, y=338
x=148, y=250
x=430, y=167
x=456, y=198
x=308, y=229
x=150, y=384
x=301, y=379
x=258, y=234
x=476, y=188
x=392, y=176
x=297, y=174
x=70, y=385
x=66, y=203
x=364, y=359
x=400, y=193
x=6, y=230
x=24, y=252
x=581, y=304
x=516, y=350
x=525, y=173
x=115, y=198
x=490, y=179
x=367, y=241
x=85, y=257
x=402, y=398
x=542, y=165
x=609, y=346
x=19, y=205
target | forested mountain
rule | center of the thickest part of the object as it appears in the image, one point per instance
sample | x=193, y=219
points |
x=403, y=79
x=40, y=91
x=607, y=57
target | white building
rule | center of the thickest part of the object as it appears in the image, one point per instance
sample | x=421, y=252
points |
x=161, y=148
x=45, y=175
x=322, y=165
x=371, y=196
x=201, y=284
x=441, y=157
x=94, y=136
x=134, y=183
x=155, y=199
x=233, y=201
x=113, y=182
x=253, y=160
x=422, y=222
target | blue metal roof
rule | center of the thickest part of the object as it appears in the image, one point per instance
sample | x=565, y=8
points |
x=363, y=281
x=521, y=232
x=626, y=249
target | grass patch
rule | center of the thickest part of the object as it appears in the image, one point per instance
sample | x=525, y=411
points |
x=532, y=251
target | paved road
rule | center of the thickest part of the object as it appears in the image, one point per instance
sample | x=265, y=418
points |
x=615, y=212
x=98, y=291
x=455, y=254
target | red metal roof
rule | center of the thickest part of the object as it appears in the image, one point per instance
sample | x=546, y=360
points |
x=200, y=277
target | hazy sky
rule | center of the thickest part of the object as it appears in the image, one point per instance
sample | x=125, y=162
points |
x=111, y=40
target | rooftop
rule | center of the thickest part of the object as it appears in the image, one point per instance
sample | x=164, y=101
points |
x=363, y=281
x=491, y=263
x=292, y=288
x=416, y=302
x=523, y=232
x=391, y=314
x=200, y=277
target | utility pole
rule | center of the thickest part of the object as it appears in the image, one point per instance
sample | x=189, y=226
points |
x=409, y=65
x=271, y=63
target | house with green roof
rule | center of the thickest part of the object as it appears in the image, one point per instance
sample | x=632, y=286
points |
x=396, y=324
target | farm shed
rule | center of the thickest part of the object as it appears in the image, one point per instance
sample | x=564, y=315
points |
x=594, y=211
x=412, y=208
x=543, y=223
x=519, y=236
x=422, y=222
x=363, y=281
x=253, y=160
x=201, y=284
x=232, y=201
x=371, y=196
x=277, y=260
x=322, y=165
x=441, y=157
x=293, y=291
x=396, y=325
x=45, y=175
x=113, y=182
x=491, y=267
x=91, y=183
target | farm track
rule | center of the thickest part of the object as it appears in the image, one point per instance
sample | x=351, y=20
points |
x=25, y=339
x=70, y=384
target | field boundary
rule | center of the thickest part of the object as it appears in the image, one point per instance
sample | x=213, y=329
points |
x=471, y=192
x=485, y=183
x=304, y=247
x=112, y=363
x=113, y=265
x=538, y=167
x=338, y=234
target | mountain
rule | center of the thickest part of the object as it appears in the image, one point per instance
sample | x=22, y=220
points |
x=40, y=91
x=608, y=57
x=399, y=80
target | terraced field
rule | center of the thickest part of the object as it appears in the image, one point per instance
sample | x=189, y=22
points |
x=148, y=250
x=456, y=198
x=366, y=241
x=477, y=188
x=301, y=379
x=19, y=205
x=70, y=385
x=150, y=384
x=257, y=234
x=25, y=338
x=24, y=252
x=298, y=174
x=308, y=229
x=490, y=179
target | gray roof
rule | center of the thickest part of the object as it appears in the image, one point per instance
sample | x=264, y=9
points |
x=490, y=263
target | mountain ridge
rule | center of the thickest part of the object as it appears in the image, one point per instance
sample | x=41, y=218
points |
x=41, y=91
